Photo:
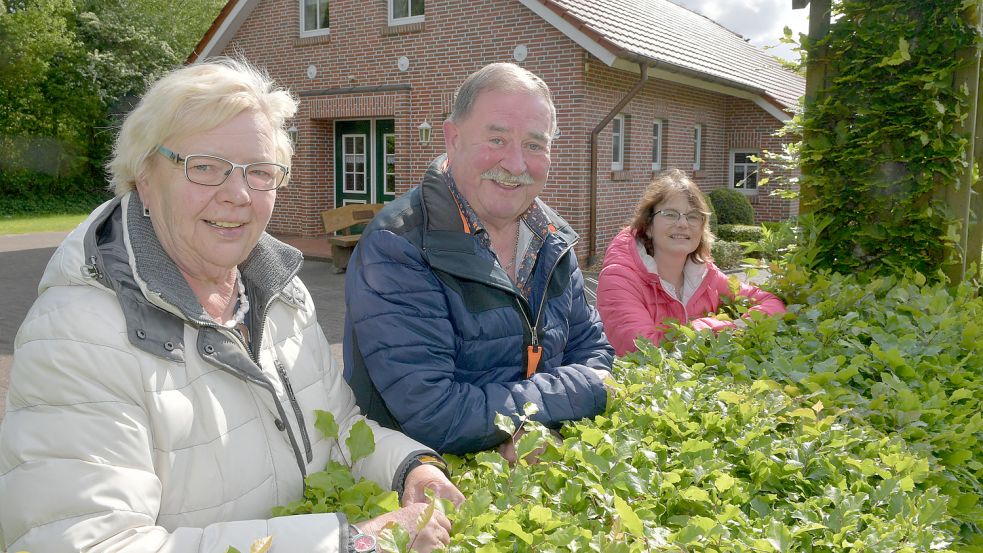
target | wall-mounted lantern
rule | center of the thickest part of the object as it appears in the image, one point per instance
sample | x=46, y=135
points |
x=294, y=135
x=425, y=129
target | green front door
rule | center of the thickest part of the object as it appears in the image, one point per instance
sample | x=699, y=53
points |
x=365, y=161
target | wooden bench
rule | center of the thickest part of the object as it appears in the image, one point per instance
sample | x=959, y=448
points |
x=341, y=220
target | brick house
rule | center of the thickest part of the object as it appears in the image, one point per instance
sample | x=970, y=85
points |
x=643, y=84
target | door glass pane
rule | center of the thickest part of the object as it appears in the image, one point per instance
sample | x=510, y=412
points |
x=354, y=155
x=389, y=144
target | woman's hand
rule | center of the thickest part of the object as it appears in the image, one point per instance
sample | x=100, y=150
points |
x=430, y=477
x=435, y=533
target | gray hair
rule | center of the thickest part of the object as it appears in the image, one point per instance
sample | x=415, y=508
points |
x=501, y=77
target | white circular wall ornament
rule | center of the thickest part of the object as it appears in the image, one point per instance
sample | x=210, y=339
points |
x=403, y=63
x=311, y=71
x=520, y=53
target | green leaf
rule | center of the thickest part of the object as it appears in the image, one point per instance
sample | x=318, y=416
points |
x=779, y=536
x=628, y=517
x=592, y=436
x=505, y=423
x=513, y=527
x=325, y=423
x=393, y=537
x=529, y=408
x=724, y=482
x=532, y=440
x=695, y=494
x=360, y=442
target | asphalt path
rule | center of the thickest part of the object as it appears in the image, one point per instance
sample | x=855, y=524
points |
x=24, y=257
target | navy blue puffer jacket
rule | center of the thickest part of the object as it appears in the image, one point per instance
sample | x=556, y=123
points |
x=436, y=334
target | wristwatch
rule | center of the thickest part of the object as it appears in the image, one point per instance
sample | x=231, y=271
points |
x=361, y=542
x=427, y=459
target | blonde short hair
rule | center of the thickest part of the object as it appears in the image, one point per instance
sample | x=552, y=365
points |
x=193, y=99
x=665, y=186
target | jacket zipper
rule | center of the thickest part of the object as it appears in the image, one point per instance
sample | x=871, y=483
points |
x=534, y=351
x=302, y=426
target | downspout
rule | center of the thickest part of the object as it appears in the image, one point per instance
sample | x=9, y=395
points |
x=643, y=69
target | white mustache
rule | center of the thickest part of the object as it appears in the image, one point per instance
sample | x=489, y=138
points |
x=505, y=177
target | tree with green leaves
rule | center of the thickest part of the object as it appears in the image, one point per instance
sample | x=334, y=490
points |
x=67, y=69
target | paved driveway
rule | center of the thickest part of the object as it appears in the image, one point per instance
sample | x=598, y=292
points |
x=23, y=259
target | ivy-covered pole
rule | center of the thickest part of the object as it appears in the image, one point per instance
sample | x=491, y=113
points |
x=959, y=195
x=974, y=246
x=884, y=150
x=817, y=66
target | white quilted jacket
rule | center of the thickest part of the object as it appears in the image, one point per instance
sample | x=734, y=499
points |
x=134, y=424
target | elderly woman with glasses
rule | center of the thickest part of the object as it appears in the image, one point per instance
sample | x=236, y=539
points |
x=659, y=268
x=164, y=384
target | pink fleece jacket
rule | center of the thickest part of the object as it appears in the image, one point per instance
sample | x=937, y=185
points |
x=633, y=303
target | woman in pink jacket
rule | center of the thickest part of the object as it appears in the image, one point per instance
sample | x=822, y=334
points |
x=659, y=268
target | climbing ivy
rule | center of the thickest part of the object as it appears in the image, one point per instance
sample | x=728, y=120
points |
x=882, y=140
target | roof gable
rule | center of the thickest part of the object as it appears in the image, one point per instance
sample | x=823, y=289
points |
x=677, y=44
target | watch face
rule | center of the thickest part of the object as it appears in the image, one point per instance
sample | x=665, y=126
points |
x=364, y=543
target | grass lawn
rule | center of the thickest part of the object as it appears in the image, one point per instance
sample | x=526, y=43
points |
x=23, y=224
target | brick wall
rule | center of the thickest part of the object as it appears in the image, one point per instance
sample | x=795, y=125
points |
x=362, y=52
x=727, y=123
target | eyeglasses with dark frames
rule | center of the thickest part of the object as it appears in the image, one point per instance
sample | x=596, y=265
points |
x=209, y=170
x=672, y=216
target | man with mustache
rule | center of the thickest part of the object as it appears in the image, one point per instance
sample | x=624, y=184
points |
x=464, y=297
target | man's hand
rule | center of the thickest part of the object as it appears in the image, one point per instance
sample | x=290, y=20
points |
x=507, y=448
x=605, y=377
x=436, y=532
x=428, y=476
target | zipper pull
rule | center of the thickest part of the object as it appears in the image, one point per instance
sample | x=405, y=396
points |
x=91, y=270
x=533, y=354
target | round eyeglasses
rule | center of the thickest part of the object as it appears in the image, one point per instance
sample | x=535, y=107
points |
x=209, y=170
x=672, y=216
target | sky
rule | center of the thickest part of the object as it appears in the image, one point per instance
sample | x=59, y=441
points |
x=761, y=21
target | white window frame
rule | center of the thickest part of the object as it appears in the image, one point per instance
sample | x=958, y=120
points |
x=393, y=20
x=385, y=163
x=697, y=146
x=366, y=160
x=316, y=32
x=732, y=164
x=618, y=143
x=657, y=126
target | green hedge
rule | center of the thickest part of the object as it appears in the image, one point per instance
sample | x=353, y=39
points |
x=852, y=423
x=727, y=255
x=731, y=207
x=739, y=233
x=30, y=193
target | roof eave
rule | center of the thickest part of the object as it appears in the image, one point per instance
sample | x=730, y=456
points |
x=617, y=57
x=221, y=31
x=627, y=61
